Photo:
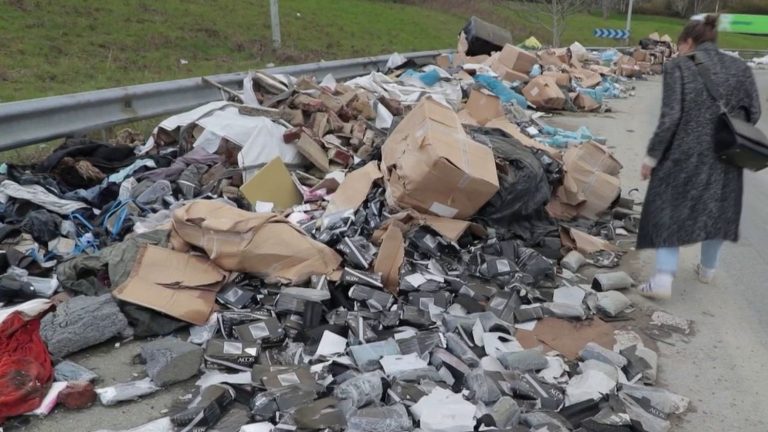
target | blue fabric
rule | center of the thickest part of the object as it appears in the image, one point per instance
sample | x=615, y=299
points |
x=710, y=253
x=504, y=93
x=667, y=258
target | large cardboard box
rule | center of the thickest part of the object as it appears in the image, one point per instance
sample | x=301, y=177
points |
x=483, y=107
x=431, y=165
x=543, y=93
x=553, y=58
x=562, y=79
x=517, y=59
x=263, y=244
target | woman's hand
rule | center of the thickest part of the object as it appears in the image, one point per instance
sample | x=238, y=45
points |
x=645, y=171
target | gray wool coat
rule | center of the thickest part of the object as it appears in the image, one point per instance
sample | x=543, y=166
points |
x=693, y=196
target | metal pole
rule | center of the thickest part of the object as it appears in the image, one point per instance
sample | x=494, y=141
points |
x=275, y=16
x=629, y=19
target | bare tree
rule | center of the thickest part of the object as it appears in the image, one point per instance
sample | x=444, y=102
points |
x=679, y=6
x=550, y=14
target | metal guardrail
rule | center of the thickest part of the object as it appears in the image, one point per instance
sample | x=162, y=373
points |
x=38, y=120
x=34, y=121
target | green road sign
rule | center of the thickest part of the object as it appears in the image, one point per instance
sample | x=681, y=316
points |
x=740, y=23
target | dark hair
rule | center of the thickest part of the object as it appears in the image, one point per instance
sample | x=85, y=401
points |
x=700, y=31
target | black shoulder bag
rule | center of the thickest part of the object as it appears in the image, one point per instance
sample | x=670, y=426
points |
x=736, y=141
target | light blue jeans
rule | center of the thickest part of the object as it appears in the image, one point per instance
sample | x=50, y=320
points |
x=666, y=258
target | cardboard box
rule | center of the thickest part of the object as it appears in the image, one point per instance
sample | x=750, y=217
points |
x=273, y=183
x=226, y=354
x=641, y=55
x=431, y=165
x=562, y=79
x=596, y=156
x=444, y=61
x=657, y=69
x=543, y=93
x=645, y=67
x=552, y=58
x=178, y=284
x=629, y=71
x=483, y=106
x=264, y=244
x=585, y=103
x=587, y=78
x=517, y=59
x=589, y=180
x=508, y=74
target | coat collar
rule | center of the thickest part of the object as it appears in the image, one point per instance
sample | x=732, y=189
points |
x=707, y=46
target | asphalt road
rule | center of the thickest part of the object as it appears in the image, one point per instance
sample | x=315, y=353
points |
x=723, y=368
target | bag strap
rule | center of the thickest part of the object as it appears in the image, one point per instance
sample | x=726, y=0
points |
x=713, y=91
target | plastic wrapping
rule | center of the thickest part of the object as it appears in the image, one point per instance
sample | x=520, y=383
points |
x=573, y=261
x=528, y=360
x=504, y=414
x=661, y=399
x=361, y=390
x=612, y=303
x=132, y=390
x=393, y=418
x=482, y=385
x=523, y=184
x=457, y=347
x=611, y=281
x=593, y=351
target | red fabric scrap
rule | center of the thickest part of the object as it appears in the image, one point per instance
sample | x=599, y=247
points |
x=26, y=371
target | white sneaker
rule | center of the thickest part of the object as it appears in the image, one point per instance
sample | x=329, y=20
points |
x=705, y=274
x=658, y=287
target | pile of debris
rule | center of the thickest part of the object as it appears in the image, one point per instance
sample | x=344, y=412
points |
x=382, y=254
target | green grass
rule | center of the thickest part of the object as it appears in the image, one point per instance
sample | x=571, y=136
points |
x=50, y=47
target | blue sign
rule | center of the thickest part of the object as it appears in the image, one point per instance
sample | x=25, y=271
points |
x=611, y=33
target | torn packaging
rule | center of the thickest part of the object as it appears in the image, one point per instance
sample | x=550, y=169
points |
x=590, y=185
x=354, y=189
x=264, y=244
x=432, y=166
x=178, y=284
x=390, y=258
x=483, y=107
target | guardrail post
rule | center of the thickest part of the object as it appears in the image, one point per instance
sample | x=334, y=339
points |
x=275, y=18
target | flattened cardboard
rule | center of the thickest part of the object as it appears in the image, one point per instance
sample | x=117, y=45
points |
x=431, y=165
x=483, y=107
x=543, y=92
x=583, y=242
x=567, y=337
x=314, y=152
x=181, y=285
x=274, y=184
x=449, y=228
x=517, y=59
x=390, y=258
x=355, y=187
x=263, y=244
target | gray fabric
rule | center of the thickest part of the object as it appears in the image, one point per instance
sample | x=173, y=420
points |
x=79, y=274
x=693, y=196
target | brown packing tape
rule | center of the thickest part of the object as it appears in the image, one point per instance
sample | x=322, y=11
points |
x=390, y=258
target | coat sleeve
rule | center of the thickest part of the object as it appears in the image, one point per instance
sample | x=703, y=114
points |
x=671, y=112
x=753, y=97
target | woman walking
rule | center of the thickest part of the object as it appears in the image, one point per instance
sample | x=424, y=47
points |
x=694, y=197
